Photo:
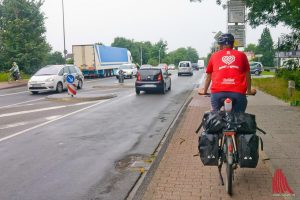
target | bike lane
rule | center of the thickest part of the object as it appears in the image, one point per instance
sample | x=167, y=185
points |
x=181, y=175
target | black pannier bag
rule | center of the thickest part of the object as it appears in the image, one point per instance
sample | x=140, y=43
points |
x=248, y=150
x=208, y=146
x=213, y=122
x=246, y=123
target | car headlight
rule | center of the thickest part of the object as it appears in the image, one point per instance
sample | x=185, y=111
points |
x=49, y=80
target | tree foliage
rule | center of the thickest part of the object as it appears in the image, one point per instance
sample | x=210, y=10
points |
x=22, y=36
x=55, y=58
x=251, y=47
x=265, y=47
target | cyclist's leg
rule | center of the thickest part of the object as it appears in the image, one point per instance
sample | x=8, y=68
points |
x=240, y=101
x=215, y=99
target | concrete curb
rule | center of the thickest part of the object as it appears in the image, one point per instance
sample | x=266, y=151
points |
x=11, y=85
x=120, y=85
x=82, y=97
x=139, y=189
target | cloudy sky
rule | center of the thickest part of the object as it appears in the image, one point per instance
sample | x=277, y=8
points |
x=178, y=22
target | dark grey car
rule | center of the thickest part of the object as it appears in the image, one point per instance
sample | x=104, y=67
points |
x=152, y=79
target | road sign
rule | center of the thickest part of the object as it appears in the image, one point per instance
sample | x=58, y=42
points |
x=238, y=31
x=218, y=35
x=70, y=78
x=236, y=12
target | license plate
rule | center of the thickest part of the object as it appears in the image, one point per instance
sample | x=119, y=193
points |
x=150, y=86
x=36, y=85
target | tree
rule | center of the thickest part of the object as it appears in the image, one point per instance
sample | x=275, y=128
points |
x=265, y=47
x=22, y=36
x=251, y=47
x=181, y=54
x=55, y=58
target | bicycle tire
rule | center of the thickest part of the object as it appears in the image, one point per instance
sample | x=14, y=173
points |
x=229, y=169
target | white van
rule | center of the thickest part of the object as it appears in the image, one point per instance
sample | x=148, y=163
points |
x=185, y=67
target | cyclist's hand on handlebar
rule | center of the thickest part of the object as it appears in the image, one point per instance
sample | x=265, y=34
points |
x=201, y=91
x=252, y=92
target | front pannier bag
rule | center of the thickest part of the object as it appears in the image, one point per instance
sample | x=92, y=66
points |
x=248, y=150
x=208, y=147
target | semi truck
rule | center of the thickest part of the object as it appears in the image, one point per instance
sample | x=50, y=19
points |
x=96, y=60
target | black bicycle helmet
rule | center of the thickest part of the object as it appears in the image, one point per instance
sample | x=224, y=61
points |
x=226, y=39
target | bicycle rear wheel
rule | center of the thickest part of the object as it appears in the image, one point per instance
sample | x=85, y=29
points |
x=229, y=169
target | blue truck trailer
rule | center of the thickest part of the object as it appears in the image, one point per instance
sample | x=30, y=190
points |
x=98, y=60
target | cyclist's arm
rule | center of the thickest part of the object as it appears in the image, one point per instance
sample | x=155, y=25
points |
x=203, y=91
x=250, y=91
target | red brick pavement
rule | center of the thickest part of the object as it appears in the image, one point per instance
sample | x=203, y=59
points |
x=181, y=175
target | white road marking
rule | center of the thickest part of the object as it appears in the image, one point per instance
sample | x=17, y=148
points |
x=11, y=105
x=3, y=95
x=48, y=122
x=52, y=117
x=31, y=111
x=13, y=125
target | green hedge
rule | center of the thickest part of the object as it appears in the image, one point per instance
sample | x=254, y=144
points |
x=290, y=74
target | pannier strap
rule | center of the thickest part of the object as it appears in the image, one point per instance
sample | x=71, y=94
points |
x=261, y=144
x=198, y=129
x=262, y=131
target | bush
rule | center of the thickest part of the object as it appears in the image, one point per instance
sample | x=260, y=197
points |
x=290, y=74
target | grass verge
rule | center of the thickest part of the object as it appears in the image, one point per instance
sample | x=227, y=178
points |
x=277, y=87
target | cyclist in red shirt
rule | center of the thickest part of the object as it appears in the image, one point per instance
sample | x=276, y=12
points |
x=229, y=72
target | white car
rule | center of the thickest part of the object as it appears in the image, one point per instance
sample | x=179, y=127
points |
x=53, y=78
x=129, y=70
x=185, y=67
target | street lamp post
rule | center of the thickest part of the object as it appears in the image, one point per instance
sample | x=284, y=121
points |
x=63, y=13
x=159, y=53
x=141, y=55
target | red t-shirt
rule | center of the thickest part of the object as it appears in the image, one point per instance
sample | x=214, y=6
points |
x=228, y=69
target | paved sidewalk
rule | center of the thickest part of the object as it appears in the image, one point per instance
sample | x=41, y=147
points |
x=181, y=175
x=12, y=84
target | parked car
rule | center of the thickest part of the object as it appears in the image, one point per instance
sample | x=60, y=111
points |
x=152, y=79
x=53, y=78
x=256, y=68
x=129, y=70
x=171, y=67
x=185, y=67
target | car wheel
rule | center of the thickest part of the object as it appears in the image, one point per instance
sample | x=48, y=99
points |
x=137, y=91
x=192, y=74
x=256, y=73
x=59, y=87
x=80, y=83
x=178, y=74
x=164, y=89
x=130, y=76
x=170, y=86
x=34, y=92
x=117, y=77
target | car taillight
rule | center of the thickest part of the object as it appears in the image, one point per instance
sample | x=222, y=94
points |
x=159, y=77
x=138, y=77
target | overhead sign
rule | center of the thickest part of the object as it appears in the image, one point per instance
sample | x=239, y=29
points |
x=238, y=31
x=236, y=11
x=70, y=78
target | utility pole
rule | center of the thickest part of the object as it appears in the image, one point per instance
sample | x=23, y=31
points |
x=63, y=13
x=141, y=55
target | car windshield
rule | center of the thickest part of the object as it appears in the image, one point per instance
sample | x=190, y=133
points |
x=48, y=70
x=253, y=65
x=125, y=67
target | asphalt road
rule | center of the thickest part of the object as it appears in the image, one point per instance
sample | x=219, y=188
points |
x=58, y=150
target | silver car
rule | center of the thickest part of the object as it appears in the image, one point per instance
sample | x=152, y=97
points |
x=185, y=67
x=53, y=78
